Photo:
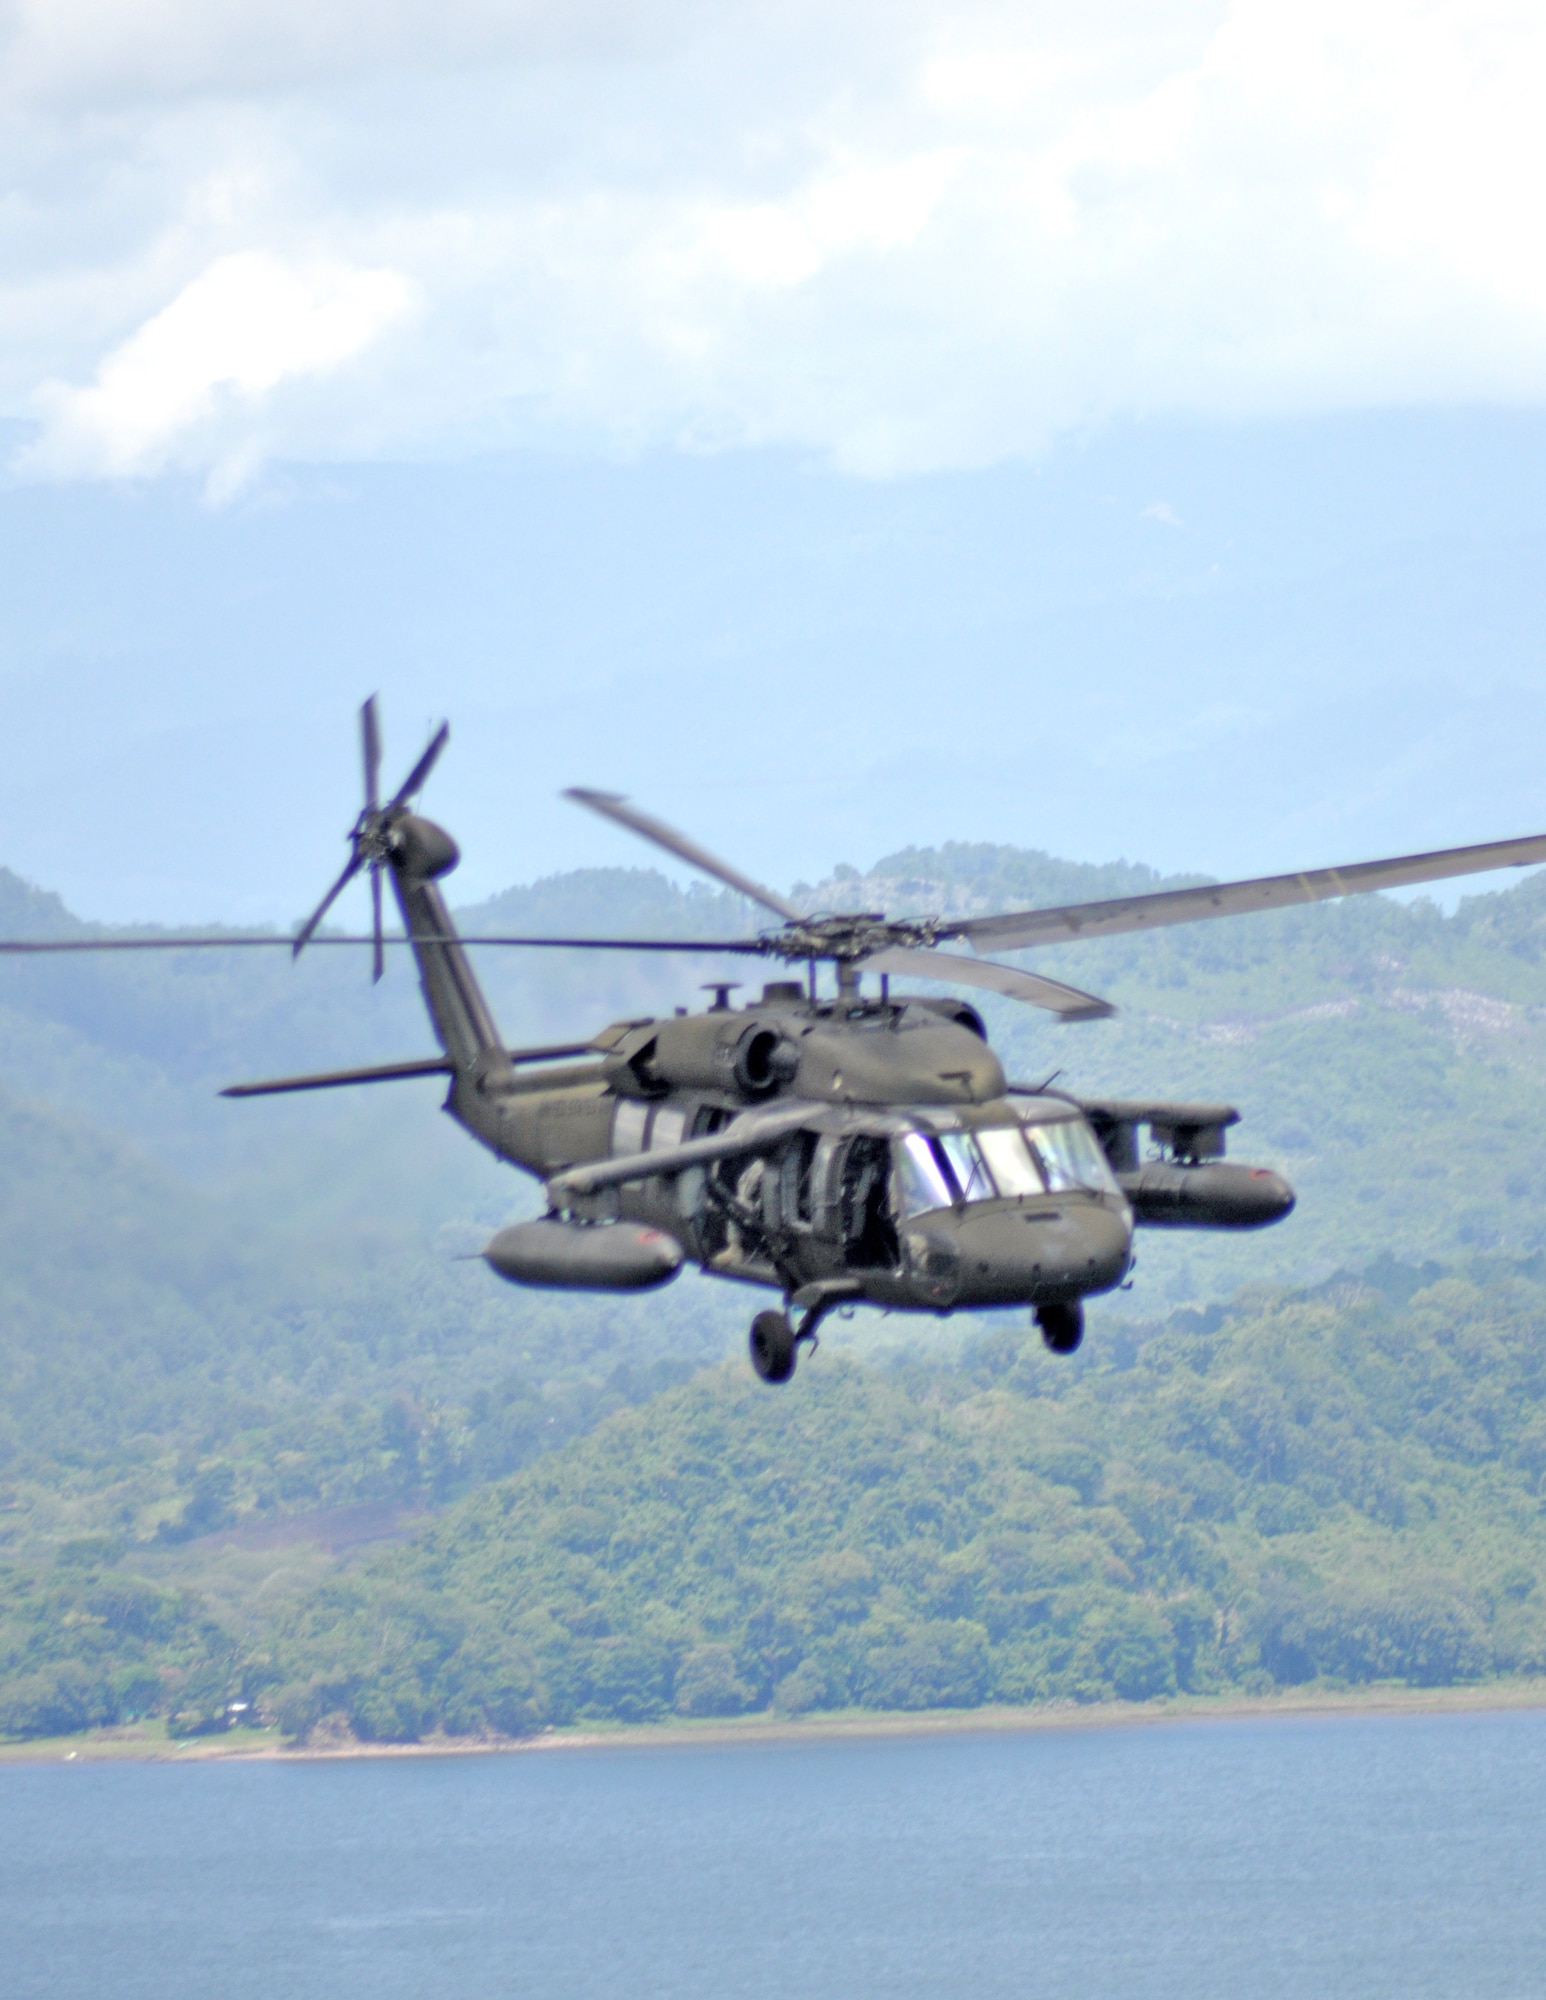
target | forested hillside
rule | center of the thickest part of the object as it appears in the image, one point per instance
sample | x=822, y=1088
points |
x=1340, y=1487
x=1344, y=1487
x=218, y=1316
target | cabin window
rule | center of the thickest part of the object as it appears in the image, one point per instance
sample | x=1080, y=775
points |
x=869, y=1235
x=667, y=1128
x=628, y=1127
x=802, y=1164
x=1010, y=1160
x=796, y=1181
x=966, y=1163
x=922, y=1182
x=1070, y=1157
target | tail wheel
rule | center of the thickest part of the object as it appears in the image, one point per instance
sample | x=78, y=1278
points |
x=1062, y=1327
x=772, y=1345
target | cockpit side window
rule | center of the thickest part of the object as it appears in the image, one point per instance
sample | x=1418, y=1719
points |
x=1070, y=1157
x=921, y=1182
x=966, y=1164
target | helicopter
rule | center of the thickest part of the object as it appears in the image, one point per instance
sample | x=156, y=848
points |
x=836, y=1148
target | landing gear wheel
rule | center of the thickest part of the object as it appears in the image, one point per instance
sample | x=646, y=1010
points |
x=772, y=1346
x=1062, y=1327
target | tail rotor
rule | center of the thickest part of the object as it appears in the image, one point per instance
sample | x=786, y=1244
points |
x=374, y=834
x=370, y=743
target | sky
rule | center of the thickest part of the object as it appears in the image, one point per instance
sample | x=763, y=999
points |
x=1113, y=428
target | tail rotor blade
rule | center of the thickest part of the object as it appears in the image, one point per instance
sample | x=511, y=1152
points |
x=351, y=869
x=370, y=740
x=373, y=831
x=378, y=960
x=425, y=765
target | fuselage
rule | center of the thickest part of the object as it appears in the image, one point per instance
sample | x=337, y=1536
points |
x=956, y=1193
x=851, y=1148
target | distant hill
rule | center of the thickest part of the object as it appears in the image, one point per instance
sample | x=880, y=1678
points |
x=216, y=1314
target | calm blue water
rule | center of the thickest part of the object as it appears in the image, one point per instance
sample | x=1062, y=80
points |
x=1318, y=1859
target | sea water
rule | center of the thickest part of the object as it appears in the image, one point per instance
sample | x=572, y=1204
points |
x=1320, y=1858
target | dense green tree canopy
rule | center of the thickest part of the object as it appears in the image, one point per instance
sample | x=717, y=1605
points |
x=1344, y=1486
x=220, y=1323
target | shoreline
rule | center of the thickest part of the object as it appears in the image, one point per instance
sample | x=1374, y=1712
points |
x=141, y=1744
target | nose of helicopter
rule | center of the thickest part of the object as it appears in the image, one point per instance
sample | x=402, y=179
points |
x=1014, y=1255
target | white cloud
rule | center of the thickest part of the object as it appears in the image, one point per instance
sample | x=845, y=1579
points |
x=189, y=383
x=112, y=52
x=904, y=236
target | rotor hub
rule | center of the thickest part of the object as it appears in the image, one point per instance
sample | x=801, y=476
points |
x=375, y=834
x=846, y=939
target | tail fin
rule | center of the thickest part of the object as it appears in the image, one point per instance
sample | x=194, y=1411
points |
x=420, y=852
x=416, y=851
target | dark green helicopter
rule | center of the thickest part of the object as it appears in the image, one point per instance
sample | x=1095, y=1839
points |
x=835, y=1148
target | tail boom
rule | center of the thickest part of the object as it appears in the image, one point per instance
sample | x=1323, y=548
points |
x=475, y=1051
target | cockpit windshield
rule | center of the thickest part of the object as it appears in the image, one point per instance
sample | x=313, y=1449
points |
x=1006, y=1160
x=967, y=1166
x=1010, y=1160
x=1070, y=1157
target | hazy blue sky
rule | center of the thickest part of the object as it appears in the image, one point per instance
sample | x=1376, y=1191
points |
x=1112, y=428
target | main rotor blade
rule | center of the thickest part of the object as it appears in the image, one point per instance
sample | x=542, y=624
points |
x=1067, y=1002
x=613, y=807
x=687, y=947
x=1229, y=899
x=378, y=955
x=370, y=743
x=746, y=947
x=351, y=868
x=425, y=765
x=334, y=1079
